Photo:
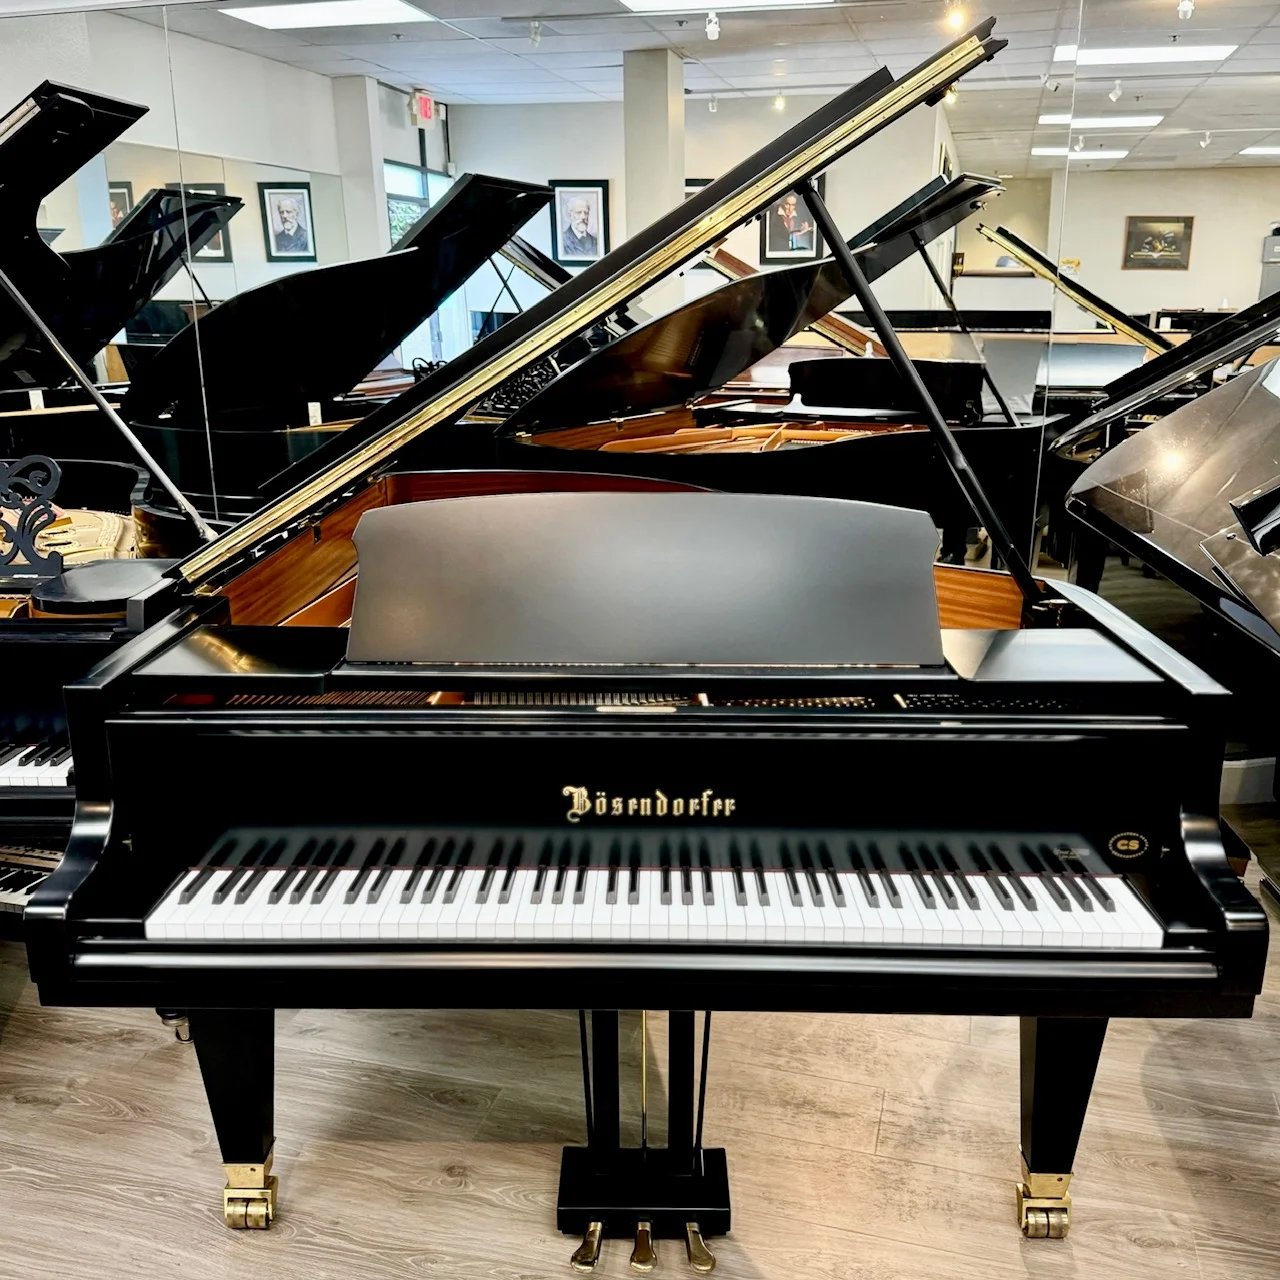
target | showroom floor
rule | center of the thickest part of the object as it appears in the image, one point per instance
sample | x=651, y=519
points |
x=416, y=1144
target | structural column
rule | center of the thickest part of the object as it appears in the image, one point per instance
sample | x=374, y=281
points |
x=364, y=189
x=653, y=133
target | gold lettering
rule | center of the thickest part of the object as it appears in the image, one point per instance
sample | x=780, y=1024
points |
x=632, y=804
x=579, y=802
x=719, y=805
x=616, y=806
x=729, y=806
x=693, y=807
x=661, y=807
x=602, y=805
x=645, y=806
x=677, y=806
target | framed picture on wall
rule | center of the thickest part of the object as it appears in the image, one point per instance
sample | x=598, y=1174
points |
x=219, y=248
x=287, y=225
x=1157, y=244
x=579, y=220
x=787, y=229
x=120, y=197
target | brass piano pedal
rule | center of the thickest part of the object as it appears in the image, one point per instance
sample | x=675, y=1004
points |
x=249, y=1198
x=1044, y=1205
x=701, y=1259
x=587, y=1254
x=644, y=1257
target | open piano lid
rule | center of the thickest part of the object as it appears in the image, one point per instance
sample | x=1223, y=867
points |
x=1097, y=306
x=84, y=295
x=1166, y=495
x=373, y=444
x=314, y=335
x=712, y=339
x=1219, y=344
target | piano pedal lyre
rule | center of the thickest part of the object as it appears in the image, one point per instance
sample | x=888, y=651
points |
x=1044, y=1205
x=701, y=1259
x=587, y=1254
x=249, y=1198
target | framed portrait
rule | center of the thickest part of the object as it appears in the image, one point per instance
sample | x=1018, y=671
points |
x=1157, y=244
x=579, y=220
x=120, y=197
x=287, y=225
x=787, y=229
x=219, y=248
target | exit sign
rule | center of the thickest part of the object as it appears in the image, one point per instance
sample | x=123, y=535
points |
x=422, y=107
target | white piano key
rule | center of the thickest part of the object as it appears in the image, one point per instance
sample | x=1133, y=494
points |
x=657, y=921
x=950, y=918
x=775, y=922
x=1141, y=928
x=544, y=912
x=906, y=914
x=199, y=921
x=595, y=917
x=254, y=912
x=336, y=907
x=832, y=919
x=160, y=920
x=465, y=923
x=1055, y=929
x=725, y=919
x=381, y=919
x=697, y=909
x=522, y=902
x=677, y=910
x=489, y=911
x=567, y=910
x=993, y=929
x=795, y=918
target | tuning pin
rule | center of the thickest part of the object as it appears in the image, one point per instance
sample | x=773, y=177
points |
x=701, y=1259
x=587, y=1254
x=643, y=1257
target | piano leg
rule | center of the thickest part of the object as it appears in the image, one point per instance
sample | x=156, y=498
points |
x=645, y=1193
x=236, y=1052
x=1059, y=1059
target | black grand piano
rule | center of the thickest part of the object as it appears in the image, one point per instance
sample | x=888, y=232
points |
x=85, y=296
x=593, y=664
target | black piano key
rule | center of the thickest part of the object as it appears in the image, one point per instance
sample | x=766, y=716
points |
x=382, y=872
x=490, y=871
x=455, y=880
x=928, y=860
x=789, y=874
x=962, y=883
x=247, y=864
x=923, y=891
x=1025, y=894
x=665, y=897
x=1095, y=887
x=61, y=754
x=864, y=878
x=439, y=867
x=615, y=865
x=544, y=865
x=30, y=753
x=563, y=864
x=686, y=886
x=10, y=749
x=256, y=876
x=735, y=865
x=509, y=875
x=1003, y=896
x=312, y=873
x=810, y=874
x=1055, y=892
x=367, y=868
x=1068, y=876
x=580, y=880
x=945, y=890
x=327, y=881
x=757, y=870
x=979, y=858
x=205, y=872
x=1041, y=872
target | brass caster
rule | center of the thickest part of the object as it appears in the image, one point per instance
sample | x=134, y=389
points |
x=1044, y=1205
x=1046, y=1224
x=587, y=1254
x=644, y=1257
x=178, y=1024
x=249, y=1198
x=701, y=1259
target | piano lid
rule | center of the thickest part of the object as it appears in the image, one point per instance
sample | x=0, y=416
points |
x=810, y=145
x=1237, y=335
x=1165, y=494
x=637, y=579
x=711, y=340
x=1047, y=269
x=313, y=335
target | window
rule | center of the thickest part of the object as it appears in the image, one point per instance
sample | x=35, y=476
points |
x=408, y=196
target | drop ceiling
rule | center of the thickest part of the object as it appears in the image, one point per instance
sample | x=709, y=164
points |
x=484, y=51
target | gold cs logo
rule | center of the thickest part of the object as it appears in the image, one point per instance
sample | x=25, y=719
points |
x=1128, y=844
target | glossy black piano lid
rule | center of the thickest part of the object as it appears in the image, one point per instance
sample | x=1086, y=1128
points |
x=1217, y=345
x=744, y=177
x=1165, y=495
x=709, y=341
x=313, y=335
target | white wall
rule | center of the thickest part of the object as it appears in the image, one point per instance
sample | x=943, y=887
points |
x=1023, y=208
x=544, y=141
x=1232, y=210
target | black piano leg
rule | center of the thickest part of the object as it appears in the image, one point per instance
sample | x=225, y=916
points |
x=645, y=1193
x=236, y=1052
x=1059, y=1059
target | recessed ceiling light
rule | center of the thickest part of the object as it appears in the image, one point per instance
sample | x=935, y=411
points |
x=689, y=6
x=1261, y=151
x=1103, y=122
x=1079, y=155
x=330, y=13
x=1143, y=53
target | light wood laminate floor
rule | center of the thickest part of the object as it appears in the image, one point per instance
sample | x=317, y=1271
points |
x=427, y=1145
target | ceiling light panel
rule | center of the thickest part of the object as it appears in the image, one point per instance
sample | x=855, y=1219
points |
x=330, y=13
x=1261, y=151
x=687, y=6
x=1103, y=122
x=1143, y=54
x=1100, y=154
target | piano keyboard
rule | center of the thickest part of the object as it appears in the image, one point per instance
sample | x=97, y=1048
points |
x=21, y=869
x=650, y=887
x=35, y=764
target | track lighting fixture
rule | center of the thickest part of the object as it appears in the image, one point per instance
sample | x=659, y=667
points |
x=779, y=103
x=713, y=106
x=1185, y=9
x=1115, y=93
x=951, y=97
x=1208, y=138
x=535, y=33
x=713, y=25
x=954, y=18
